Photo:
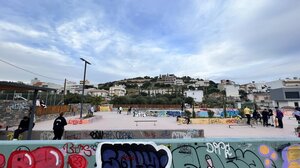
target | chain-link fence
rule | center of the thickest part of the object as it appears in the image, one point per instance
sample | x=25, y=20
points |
x=49, y=98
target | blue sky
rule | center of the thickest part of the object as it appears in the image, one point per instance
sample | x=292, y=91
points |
x=237, y=40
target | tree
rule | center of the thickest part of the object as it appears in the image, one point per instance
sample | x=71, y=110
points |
x=146, y=85
x=176, y=100
x=192, y=88
x=243, y=95
x=189, y=100
x=95, y=100
x=72, y=98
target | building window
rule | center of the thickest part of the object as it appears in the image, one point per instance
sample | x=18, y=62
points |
x=292, y=95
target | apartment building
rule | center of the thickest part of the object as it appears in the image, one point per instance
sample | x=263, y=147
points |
x=117, y=90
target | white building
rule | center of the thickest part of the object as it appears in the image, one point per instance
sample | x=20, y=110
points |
x=254, y=87
x=179, y=82
x=262, y=99
x=154, y=92
x=167, y=79
x=284, y=83
x=98, y=92
x=73, y=87
x=117, y=90
x=196, y=94
x=286, y=97
x=200, y=83
x=231, y=89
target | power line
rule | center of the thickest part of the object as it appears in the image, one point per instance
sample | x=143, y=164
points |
x=30, y=71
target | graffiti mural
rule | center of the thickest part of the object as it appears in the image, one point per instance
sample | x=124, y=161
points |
x=173, y=153
x=117, y=155
x=291, y=156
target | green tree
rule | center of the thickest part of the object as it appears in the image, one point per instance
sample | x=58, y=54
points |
x=95, y=100
x=176, y=100
x=189, y=100
x=146, y=85
x=72, y=98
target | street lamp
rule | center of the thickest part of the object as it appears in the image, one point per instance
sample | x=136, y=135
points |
x=83, y=84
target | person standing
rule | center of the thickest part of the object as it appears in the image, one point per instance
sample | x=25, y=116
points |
x=120, y=110
x=129, y=110
x=255, y=116
x=58, y=126
x=265, y=116
x=271, y=119
x=91, y=110
x=279, y=116
x=247, y=113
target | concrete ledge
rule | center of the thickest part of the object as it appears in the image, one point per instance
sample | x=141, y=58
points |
x=210, y=120
x=111, y=134
x=76, y=121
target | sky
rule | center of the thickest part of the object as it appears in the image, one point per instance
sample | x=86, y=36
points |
x=242, y=40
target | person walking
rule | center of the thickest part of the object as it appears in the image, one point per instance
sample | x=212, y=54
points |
x=58, y=126
x=279, y=116
x=247, y=113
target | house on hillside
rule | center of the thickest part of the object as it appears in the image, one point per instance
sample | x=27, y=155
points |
x=283, y=97
x=117, y=90
x=262, y=99
x=282, y=83
x=197, y=95
x=167, y=79
x=231, y=89
x=98, y=92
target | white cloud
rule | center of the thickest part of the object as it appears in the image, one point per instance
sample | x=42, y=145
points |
x=45, y=62
x=207, y=39
x=6, y=27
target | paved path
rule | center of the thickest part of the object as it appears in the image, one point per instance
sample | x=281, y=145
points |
x=114, y=121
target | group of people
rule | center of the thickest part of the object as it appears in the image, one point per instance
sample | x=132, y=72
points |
x=266, y=115
x=58, y=126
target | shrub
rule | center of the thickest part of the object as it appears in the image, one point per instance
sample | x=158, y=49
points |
x=210, y=114
x=187, y=113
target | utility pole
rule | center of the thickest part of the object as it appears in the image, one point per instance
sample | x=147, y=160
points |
x=83, y=84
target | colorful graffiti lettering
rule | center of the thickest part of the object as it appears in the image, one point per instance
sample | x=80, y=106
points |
x=48, y=156
x=231, y=121
x=97, y=134
x=2, y=161
x=177, y=154
x=77, y=161
x=217, y=147
x=87, y=150
x=291, y=156
x=21, y=158
x=42, y=157
x=201, y=156
x=269, y=154
x=215, y=121
x=133, y=155
x=46, y=135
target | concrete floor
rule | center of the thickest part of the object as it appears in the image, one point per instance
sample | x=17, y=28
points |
x=114, y=121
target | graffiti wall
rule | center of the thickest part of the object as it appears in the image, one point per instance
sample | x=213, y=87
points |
x=111, y=134
x=212, y=120
x=174, y=153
